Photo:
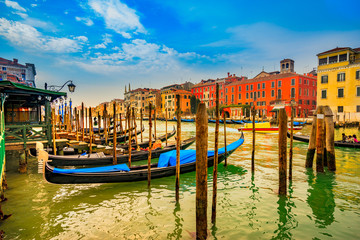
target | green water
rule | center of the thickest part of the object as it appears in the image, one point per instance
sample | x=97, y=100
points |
x=318, y=206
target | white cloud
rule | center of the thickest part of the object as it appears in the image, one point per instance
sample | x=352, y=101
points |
x=14, y=5
x=28, y=38
x=33, y=5
x=82, y=38
x=21, y=14
x=101, y=45
x=86, y=21
x=118, y=17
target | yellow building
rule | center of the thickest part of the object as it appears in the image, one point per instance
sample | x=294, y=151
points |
x=168, y=99
x=339, y=82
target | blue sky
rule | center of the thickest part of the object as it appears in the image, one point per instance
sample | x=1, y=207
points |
x=102, y=45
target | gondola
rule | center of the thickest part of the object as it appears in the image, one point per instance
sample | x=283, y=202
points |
x=119, y=139
x=122, y=173
x=299, y=123
x=187, y=120
x=336, y=143
x=100, y=159
x=237, y=121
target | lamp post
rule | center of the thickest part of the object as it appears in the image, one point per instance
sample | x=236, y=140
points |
x=71, y=87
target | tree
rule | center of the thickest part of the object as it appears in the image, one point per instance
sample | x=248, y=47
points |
x=194, y=102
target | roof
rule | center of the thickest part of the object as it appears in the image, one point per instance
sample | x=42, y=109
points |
x=11, y=87
x=4, y=61
x=337, y=49
x=209, y=82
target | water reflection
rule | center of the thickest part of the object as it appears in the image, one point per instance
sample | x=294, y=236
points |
x=177, y=233
x=252, y=204
x=321, y=197
x=287, y=220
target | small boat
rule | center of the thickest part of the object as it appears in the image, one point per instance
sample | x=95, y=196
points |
x=220, y=121
x=299, y=123
x=306, y=139
x=187, y=120
x=245, y=121
x=237, y=121
x=263, y=127
x=122, y=173
x=102, y=159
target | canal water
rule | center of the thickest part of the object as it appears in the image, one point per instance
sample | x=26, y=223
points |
x=317, y=206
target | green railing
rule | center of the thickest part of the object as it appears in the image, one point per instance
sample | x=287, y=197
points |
x=27, y=133
x=2, y=142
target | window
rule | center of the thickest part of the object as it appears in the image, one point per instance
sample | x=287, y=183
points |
x=279, y=83
x=324, y=79
x=340, y=109
x=333, y=59
x=342, y=57
x=221, y=94
x=247, y=95
x=212, y=95
x=4, y=68
x=165, y=97
x=232, y=89
x=324, y=94
x=299, y=80
x=263, y=94
x=239, y=96
x=226, y=90
x=232, y=98
x=357, y=75
x=299, y=91
x=258, y=94
x=272, y=84
x=258, y=86
x=358, y=91
x=251, y=95
x=226, y=98
x=341, y=77
x=340, y=92
x=263, y=85
x=279, y=94
x=187, y=104
x=293, y=82
x=300, y=101
x=314, y=102
x=292, y=92
x=239, y=88
x=313, y=93
x=305, y=81
x=358, y=108
x=322, y=61
x=307, y=102
x=251, y=87
x=184, y=96
x=247, y=87
x=212, y=88
x=272, y=93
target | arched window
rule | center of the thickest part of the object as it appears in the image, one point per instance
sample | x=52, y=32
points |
x=279, y=94
x=292, y=92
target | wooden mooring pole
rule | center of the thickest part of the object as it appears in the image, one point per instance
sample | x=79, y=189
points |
x=320, y=134
x=312, y=143
x=216, y=157
x=330, y=144
x=105, y=124
x=253, y=114
x=178, y=142
x=225, y=163
x=77, y=124
x=90, y=130
x=134, y=122
x=53, y=120
x=201, y=171
x=155, y=122
x=291, y=142
x=82, y=122
x=282, y=151
x=150, y=146
x=114, y=137
x=141, y=124
x=166, y=125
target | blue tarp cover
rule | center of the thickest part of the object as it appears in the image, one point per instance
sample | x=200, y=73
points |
x=113, y=168
x=188, y=156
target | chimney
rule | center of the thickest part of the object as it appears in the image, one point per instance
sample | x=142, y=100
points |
x=228, y=74
x=15, y=61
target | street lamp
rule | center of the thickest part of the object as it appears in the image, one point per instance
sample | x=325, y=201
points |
x=71, y=87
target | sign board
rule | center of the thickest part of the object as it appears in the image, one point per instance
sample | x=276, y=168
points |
x=320, y=116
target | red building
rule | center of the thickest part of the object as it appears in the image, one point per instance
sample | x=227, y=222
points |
x=268, y=91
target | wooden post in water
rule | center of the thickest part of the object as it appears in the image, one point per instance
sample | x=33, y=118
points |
x=330, y=144
x=77, y=124
x=166, y=112
x=82, y=121
x=216, y=157
x=150, y=146
x=53, y=130
x=282, y=151
x=134, y=119
x=178, y=142
x=90, y=130
x=291, y=142
x=253, y=114
x=155, y=121
x=201, y=171
x=225, y=163
x=129, y=124
x=141, y=124
x=312, y=143
x=121, y=126
x=86, y=121
x=114, y=137
x=105, y=124
x=320, y=135
x=99, y=122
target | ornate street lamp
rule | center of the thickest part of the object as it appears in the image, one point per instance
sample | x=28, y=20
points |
x=71, y=87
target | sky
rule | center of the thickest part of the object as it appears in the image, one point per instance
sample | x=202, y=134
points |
x=103, y=45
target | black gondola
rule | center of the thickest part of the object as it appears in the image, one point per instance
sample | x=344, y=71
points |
x=336, y=143
x=99, y=159
x=135, y=173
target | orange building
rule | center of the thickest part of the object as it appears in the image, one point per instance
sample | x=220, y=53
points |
x=169, y=101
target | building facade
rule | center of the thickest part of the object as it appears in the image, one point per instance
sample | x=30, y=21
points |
x=15, y=72
x=169, y=101
x=339, y=82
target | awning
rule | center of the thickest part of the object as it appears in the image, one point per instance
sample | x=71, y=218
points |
x=276, y=108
